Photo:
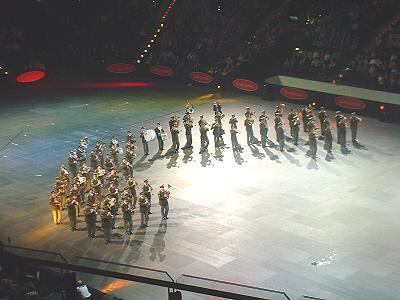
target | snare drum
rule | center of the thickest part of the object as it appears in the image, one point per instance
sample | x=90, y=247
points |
x=164, y=136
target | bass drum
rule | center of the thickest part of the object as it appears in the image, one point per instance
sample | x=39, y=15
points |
x=150, y=135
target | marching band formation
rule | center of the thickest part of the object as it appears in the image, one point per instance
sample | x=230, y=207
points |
x=99, y=190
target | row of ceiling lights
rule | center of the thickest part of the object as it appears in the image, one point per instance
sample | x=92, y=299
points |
x=157, y=32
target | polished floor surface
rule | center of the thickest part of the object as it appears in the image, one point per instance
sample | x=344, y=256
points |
x=327, y=228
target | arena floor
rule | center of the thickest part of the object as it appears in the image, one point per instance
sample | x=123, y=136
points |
x=325, y=228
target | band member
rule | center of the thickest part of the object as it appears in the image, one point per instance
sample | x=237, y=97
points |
x=325, y=125
x=203, y=126
x=248, y=123
x=113, y=192
x=216, y=128
x=278, y=120
x=127, y=168
x=217, y=108
x=113, y=210
x=109, y=163
x=263, y=128
x=279, y=109
x=233, y=122
x=304, y=113
x=291, y=116
x=64, y=174
x=173, y=122
x=127, y=212
x=114, y=151
x=61, y=189
x=280, y=136
x=218, y=119
x=354, y=120
x=248, y=113
x=100, y=174
x=313, y=142
x=85, y=171
x=175, y=138
x=322, y=115
x=91, y=197
x=144, y=142
x=338, y=118
x=144, y=205
x=106, y=223
x=71, y=206
x=130, y=154
x=235, y=144
x=188, y=123
x=163, y=196
x=55, y=207
x=147, y=190
x=96, y=185
x=112, y=177
x=159, y=130
x=189, y=108
x=100, y=152
x=131, y=184
x=130, y=138
x=328, y=140
x=90, y=219
x=343, y=134
x=81, y=154
x=94, y=160
x=73, y=162
x=296, y=130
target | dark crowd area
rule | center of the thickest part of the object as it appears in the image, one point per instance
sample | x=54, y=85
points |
x=352, y=42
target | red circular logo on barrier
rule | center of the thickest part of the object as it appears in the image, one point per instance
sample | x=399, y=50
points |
x=120, y=68
x=350, y=102
x=294, y=93
x=245, y=85
x=201, y=77
x=30, y=76
x=161, y=70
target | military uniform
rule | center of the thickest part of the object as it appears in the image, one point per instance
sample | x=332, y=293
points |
x=131, y=184
x=73, y=163
x=188, y=123
x=106, y=224
x=147, y=189
x=215, y=127
x=144, y=210
x=280, y=137
x=328, y=140
x=175, y=138
x=304, y=114
x=203, y=135
x=263, y=129
x=144, y=142
x=338, y=118
x=127, y=212
x=159, y=130
x=354, y=120
x=342, y=133
x=127, y=168
x=56, y=207
x=71, y=206
x=100, y=152
x=313, y=143
x=90, y=219
x=291, y=117
x=296, y=130
x=322, y=115
x=109, y=163
x=248, y=123
x=94, y=160
x=163, y=196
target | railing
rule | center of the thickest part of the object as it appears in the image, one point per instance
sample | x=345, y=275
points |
x=187, y=283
